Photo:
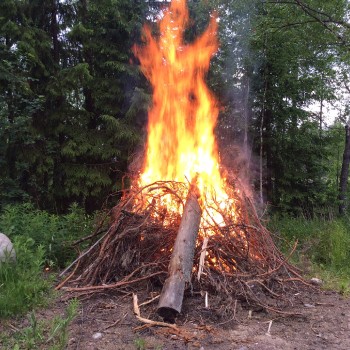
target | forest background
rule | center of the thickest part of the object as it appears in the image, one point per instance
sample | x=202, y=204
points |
x=73, y=102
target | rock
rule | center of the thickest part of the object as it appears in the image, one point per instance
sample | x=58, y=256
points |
x=7, y=252
x=309, y=305
x=97, y=335
x=72, y=341
x=316, y=281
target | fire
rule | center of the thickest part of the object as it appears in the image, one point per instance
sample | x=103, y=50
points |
x=181, y=144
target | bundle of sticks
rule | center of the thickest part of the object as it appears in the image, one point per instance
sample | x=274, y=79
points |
x=148, y=247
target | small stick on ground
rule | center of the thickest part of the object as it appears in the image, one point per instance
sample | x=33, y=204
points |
x=150, y=301
x=269, y=328
x=146, y=320
x=202, y=257
x=59, y=286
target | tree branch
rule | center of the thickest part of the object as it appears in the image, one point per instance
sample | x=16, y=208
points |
x=323, y=18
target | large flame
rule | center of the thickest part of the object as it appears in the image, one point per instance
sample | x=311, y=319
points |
x=181, y=144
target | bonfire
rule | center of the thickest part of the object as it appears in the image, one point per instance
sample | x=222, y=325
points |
x=186, y=223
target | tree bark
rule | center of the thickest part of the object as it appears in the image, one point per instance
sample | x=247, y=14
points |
x=181, y=262
x=55, y=33
x=343, y=183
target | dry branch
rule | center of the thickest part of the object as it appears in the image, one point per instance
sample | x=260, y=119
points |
x=134, y=253
x=146, y=320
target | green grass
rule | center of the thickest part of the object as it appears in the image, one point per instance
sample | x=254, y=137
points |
x=55, y=233
x=140, y=343
x=22, y=284
x=48, y=335
x=323, y=246
x=40, y=240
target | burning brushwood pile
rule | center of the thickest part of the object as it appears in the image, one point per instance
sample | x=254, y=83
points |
x=185, y=223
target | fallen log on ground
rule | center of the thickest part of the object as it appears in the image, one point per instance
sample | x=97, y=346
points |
x=181, y=262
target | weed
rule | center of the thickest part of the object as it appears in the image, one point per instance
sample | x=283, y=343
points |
x=40, y=239
x=324, y=244
x=59, y=329
x=22, y=285
x=140, y=343
x=51, y=335
x=54, y=233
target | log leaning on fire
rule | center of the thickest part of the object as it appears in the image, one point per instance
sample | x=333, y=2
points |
x=181, y=261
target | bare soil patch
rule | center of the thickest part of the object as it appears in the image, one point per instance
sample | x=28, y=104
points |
x=324, y=324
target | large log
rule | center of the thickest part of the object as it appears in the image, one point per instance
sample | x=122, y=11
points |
x=181, y=261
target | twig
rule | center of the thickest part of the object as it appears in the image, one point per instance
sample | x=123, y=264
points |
x=116, y=322
x=150, y=301
x=68, y=277
x=269, y=329
x=263, y=285
x=96, y=233
x=13, y=327
x=85, y=253
x=146, y=320
x=111, y=286
x=202, y=257
x=206, y=300
x=234, y=315
x=297, y=279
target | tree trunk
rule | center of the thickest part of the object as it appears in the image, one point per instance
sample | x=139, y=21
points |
x=343, y=184
x=181, y=262
x=55, y=33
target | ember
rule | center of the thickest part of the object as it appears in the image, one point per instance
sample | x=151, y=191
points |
x=234, y=256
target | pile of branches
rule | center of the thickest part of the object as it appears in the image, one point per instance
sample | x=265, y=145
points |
x=237, y=261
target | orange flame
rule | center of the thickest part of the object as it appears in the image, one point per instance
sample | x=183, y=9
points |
x=181, y=144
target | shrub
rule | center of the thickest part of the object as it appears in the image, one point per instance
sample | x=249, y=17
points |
x=54, y=233
x=326, y=244
x=51, y=335
x=40, y=239
x=22, y=285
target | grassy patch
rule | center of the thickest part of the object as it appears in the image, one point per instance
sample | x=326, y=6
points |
x=50, y=335
x=55, y=233
x=40, y=240
x=140, y=343
x=323, y=249
x=22, y=284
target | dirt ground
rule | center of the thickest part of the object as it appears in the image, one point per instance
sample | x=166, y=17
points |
x=107, y=322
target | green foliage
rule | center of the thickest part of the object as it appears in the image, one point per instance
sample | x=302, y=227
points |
x=73, y=103
x=55, y=234
x=140, y=343
x=66, y=86
x=323, y=243
x=295, y=71
x=22, y=284
x=333, y=248
x=51, y=335
x=41, y=240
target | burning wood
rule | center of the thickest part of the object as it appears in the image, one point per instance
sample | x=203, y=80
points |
x=181, y=262
x=242, y=261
